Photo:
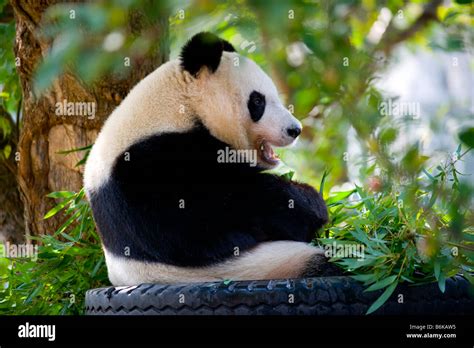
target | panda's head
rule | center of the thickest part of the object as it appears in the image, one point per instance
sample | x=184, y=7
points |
x=235, y=99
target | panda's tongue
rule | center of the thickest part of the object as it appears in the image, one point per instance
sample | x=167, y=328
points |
x=267, y=153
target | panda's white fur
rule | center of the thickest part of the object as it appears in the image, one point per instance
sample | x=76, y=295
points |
x=168, y=100
x=269, y=260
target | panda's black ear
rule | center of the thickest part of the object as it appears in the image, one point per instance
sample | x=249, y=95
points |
x=203, y=49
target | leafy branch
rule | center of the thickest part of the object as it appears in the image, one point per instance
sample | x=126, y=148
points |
x=405, y=242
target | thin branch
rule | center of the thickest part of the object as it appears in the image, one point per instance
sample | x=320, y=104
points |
x=392, y=37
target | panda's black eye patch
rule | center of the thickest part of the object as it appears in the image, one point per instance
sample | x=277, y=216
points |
x=256, y=105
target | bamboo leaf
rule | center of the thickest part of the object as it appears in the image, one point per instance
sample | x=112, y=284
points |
x=323, y=181
x=442, y=282
x=437, y=269
x=61, y=194
x=56, y=209
x=381, y=283
x=467, y=136
x=365, y=278
x=65, y=152
x=383, y=298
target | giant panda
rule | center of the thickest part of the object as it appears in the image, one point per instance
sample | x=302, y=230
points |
x=167, y=211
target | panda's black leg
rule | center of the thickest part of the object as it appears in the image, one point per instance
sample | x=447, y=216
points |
x=319, y=266
x=290, y=210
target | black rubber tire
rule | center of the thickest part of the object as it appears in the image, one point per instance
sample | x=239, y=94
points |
x=307, y=296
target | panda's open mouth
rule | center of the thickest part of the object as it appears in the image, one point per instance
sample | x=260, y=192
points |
x=267, y=154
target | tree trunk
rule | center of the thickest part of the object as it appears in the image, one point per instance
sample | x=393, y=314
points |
x=41, y=169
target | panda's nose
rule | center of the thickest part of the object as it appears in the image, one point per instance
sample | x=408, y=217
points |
x=293, y=132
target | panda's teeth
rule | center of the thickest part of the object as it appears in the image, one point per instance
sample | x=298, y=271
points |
x=267, y=153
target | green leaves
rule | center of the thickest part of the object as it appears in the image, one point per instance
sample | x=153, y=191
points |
x=388, y=135
x=411, y=232
x=467, y=137
x=55, y=210
x=442, y=282
x=288, y=175
x=68, y=263
x=10, y=88
x=323, y=181
x=382, y=299
x=382, y=283
x=10, y=92
x=61, y=194
x=82, y=161
x=96, y=39
x=413, y=161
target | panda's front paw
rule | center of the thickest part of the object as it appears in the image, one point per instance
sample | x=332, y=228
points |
x=312, y=203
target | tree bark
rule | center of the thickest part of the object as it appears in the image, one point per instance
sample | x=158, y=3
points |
x=41, y=169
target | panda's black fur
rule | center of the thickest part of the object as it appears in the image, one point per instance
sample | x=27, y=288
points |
x=170, y=201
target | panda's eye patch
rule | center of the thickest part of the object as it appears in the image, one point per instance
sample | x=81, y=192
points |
x=256, y=105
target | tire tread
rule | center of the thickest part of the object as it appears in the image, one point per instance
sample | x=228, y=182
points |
x=312, y=296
